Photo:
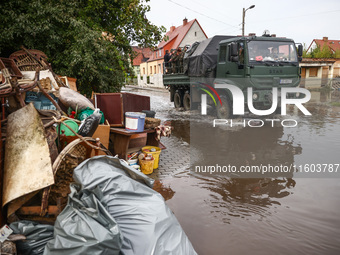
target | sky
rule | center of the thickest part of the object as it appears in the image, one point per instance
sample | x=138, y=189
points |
x=300, y=20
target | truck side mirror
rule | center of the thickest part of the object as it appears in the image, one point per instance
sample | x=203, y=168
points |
x=300, y=50
x=233, y=50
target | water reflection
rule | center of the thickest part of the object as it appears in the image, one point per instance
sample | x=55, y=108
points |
x=284, y=215
x=245, y=197
x=246, y=147
x=237, y=195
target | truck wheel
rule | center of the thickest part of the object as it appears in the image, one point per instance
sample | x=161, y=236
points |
x=178, y=99
x=187, y=101
x=224, y=111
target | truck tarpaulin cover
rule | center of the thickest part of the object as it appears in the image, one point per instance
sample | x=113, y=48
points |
x=205, y=56
x=146, y=224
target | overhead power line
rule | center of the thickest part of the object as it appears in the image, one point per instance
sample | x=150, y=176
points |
x=201, y=13
x=216, y=11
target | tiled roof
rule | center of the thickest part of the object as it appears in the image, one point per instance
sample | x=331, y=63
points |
x=143, y=54
x=334, y=45
x=175, y=37
x=178, y=34
x=317, y=60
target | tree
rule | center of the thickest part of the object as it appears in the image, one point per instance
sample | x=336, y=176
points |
x=304, y=53
x=337, y=54
x=325, y=52
x=86, y=39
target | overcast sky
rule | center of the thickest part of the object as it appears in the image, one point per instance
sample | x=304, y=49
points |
x=301, y=20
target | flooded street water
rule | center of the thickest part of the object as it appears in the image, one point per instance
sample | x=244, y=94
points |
x=290, y=214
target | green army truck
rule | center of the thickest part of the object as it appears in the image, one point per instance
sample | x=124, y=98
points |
x=259, y=62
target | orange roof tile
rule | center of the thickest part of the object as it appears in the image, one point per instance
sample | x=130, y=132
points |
x=334, y=45
x=142, y=55
x=175, y=38
x=178, y=34
x=317, y=60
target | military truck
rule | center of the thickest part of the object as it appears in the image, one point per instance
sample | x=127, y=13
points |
x=259, y=62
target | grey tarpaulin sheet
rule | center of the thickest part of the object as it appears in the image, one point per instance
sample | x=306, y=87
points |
x=84, y=226
x=187, y=54
x=147, y=224
x=205, y=56
x=37, y=235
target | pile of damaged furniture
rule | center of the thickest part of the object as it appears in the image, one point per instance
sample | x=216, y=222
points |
x=62, y=191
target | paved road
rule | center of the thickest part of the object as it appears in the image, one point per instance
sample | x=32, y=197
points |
x=175, y=159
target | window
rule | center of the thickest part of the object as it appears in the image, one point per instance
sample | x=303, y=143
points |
x=160, y=53
x=313, y=72
x=223, y=53
x=143, y=70
x=280, y=51
x=150, y=69
x=154, y=69
x=195, y=33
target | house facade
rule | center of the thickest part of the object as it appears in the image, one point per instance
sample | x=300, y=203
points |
x=186, y=34
x=141, y=56
x=316, y=73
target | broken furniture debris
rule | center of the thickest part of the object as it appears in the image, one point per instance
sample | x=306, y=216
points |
x=43, y=149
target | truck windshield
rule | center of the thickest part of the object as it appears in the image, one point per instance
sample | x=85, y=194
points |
x=262, y=51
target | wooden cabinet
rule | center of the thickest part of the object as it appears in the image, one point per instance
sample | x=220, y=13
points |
x=115, y=105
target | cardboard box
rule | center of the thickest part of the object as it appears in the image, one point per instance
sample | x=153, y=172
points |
x=70, y=82
x=103, y=133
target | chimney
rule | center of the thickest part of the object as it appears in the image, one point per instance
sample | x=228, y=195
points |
x=172, y=28
x=252, y=34
x=325, y=39
x=185, y=21
x=273, y=35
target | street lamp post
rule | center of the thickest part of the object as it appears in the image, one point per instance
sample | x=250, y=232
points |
x=243, y=17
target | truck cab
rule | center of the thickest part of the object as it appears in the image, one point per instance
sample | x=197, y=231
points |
x=257, y=62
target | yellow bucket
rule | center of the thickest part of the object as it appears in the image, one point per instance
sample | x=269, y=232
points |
x=155, y=154
x=146, y=166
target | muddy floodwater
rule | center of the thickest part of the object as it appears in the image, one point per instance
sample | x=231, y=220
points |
x=293, y=213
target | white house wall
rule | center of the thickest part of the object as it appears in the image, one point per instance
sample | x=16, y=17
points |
x=190, y=37
x=312, y=47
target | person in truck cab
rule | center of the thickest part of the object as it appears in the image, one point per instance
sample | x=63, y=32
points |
x=275, y=53
x=254, y=52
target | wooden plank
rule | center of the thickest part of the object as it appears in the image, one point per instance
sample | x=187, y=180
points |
x=2, y=214
x=35, y=210
x=123, y=131
x=138, y=135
